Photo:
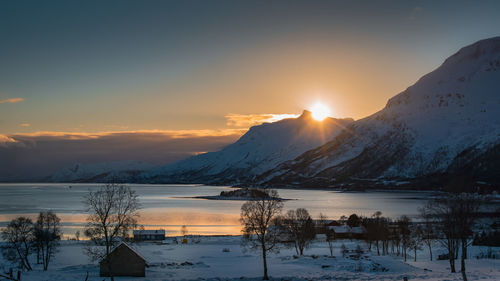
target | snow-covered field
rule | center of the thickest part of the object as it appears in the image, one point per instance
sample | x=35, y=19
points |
x=207, y=260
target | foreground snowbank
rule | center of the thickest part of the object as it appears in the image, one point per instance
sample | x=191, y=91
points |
x=222, y=258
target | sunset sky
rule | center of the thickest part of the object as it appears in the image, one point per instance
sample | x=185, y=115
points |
x=210, y=69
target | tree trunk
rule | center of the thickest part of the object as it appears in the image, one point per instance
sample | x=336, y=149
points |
x=415, y=253
x=38, y=254
x=430, y=250
x=330, y=246
x=452, y=262
x=464, y=276
x=464, y=256
x=265, y=263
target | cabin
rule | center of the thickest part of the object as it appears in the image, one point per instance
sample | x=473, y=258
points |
x=358, y=232
x=149, y=235
x=347, y=232
x=340, y=231
x=123, y=261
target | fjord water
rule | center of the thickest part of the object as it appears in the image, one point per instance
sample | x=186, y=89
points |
x=169, y=206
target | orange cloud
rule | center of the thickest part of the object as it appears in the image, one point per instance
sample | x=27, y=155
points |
x=25, y=124
x=39, y=154
x=163, y=133
x=4, y=140
x=12, y=100
x=247, y=120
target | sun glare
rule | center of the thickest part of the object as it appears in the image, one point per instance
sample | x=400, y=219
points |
x=320, y=111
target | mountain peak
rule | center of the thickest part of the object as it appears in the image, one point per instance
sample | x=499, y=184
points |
x=306, y=114
x=476, y=50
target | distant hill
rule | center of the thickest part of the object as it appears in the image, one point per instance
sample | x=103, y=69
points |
x=120, y=171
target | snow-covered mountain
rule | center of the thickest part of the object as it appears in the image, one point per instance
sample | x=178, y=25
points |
x=262, y=148
x=446, y=125
x=120, y=171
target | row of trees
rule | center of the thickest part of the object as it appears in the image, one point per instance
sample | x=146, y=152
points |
x=454, y=217
x=113, y=211
x=449, y=220
x=25, y=238
x=265, y=228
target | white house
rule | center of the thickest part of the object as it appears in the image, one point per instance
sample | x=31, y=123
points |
x=149, y=235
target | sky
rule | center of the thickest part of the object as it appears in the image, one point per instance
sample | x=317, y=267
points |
x=73, y=70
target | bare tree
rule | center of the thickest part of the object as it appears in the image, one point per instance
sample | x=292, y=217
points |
x=468, y=214
x=428, y=229
x=455, y=216
x=377, y=230
x=300, y=228
x=444, y=211
x=329, y=234
x=113, y=211
x=260, y=231
x=396, y=240
x=47, y=234
x=77, y=235
x=18, y=237
x=416, y=240
x=404, y=232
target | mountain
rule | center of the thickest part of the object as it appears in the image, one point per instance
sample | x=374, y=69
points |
x=444, y=127
x=262, y=148
x=121, y=171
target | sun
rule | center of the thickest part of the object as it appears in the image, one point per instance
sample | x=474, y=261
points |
x=320, y=111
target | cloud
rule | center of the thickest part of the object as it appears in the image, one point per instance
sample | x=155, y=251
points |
x=5, y=140
x=44, y=135
x=12, y=100
x=25, y=124
x=247, y=120
x=36, y=155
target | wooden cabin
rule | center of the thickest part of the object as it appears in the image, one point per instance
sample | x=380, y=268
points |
x=123, y=261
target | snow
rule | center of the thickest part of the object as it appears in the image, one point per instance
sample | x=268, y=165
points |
x=222, y=258
x=262, y=148
x=446, y=112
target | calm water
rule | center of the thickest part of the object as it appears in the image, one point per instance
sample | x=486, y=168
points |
x=162, y=207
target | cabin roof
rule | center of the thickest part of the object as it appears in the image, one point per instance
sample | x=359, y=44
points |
x=123, y=244
x=149, y=232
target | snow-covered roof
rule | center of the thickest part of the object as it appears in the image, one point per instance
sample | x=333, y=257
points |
x=130, y=248
x=340, y=228
x=149, y=232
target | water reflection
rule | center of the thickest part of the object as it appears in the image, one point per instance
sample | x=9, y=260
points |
x=163, y=209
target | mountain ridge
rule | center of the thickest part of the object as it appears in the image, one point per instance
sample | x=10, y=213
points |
x=419, y=133
x=260, y=149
